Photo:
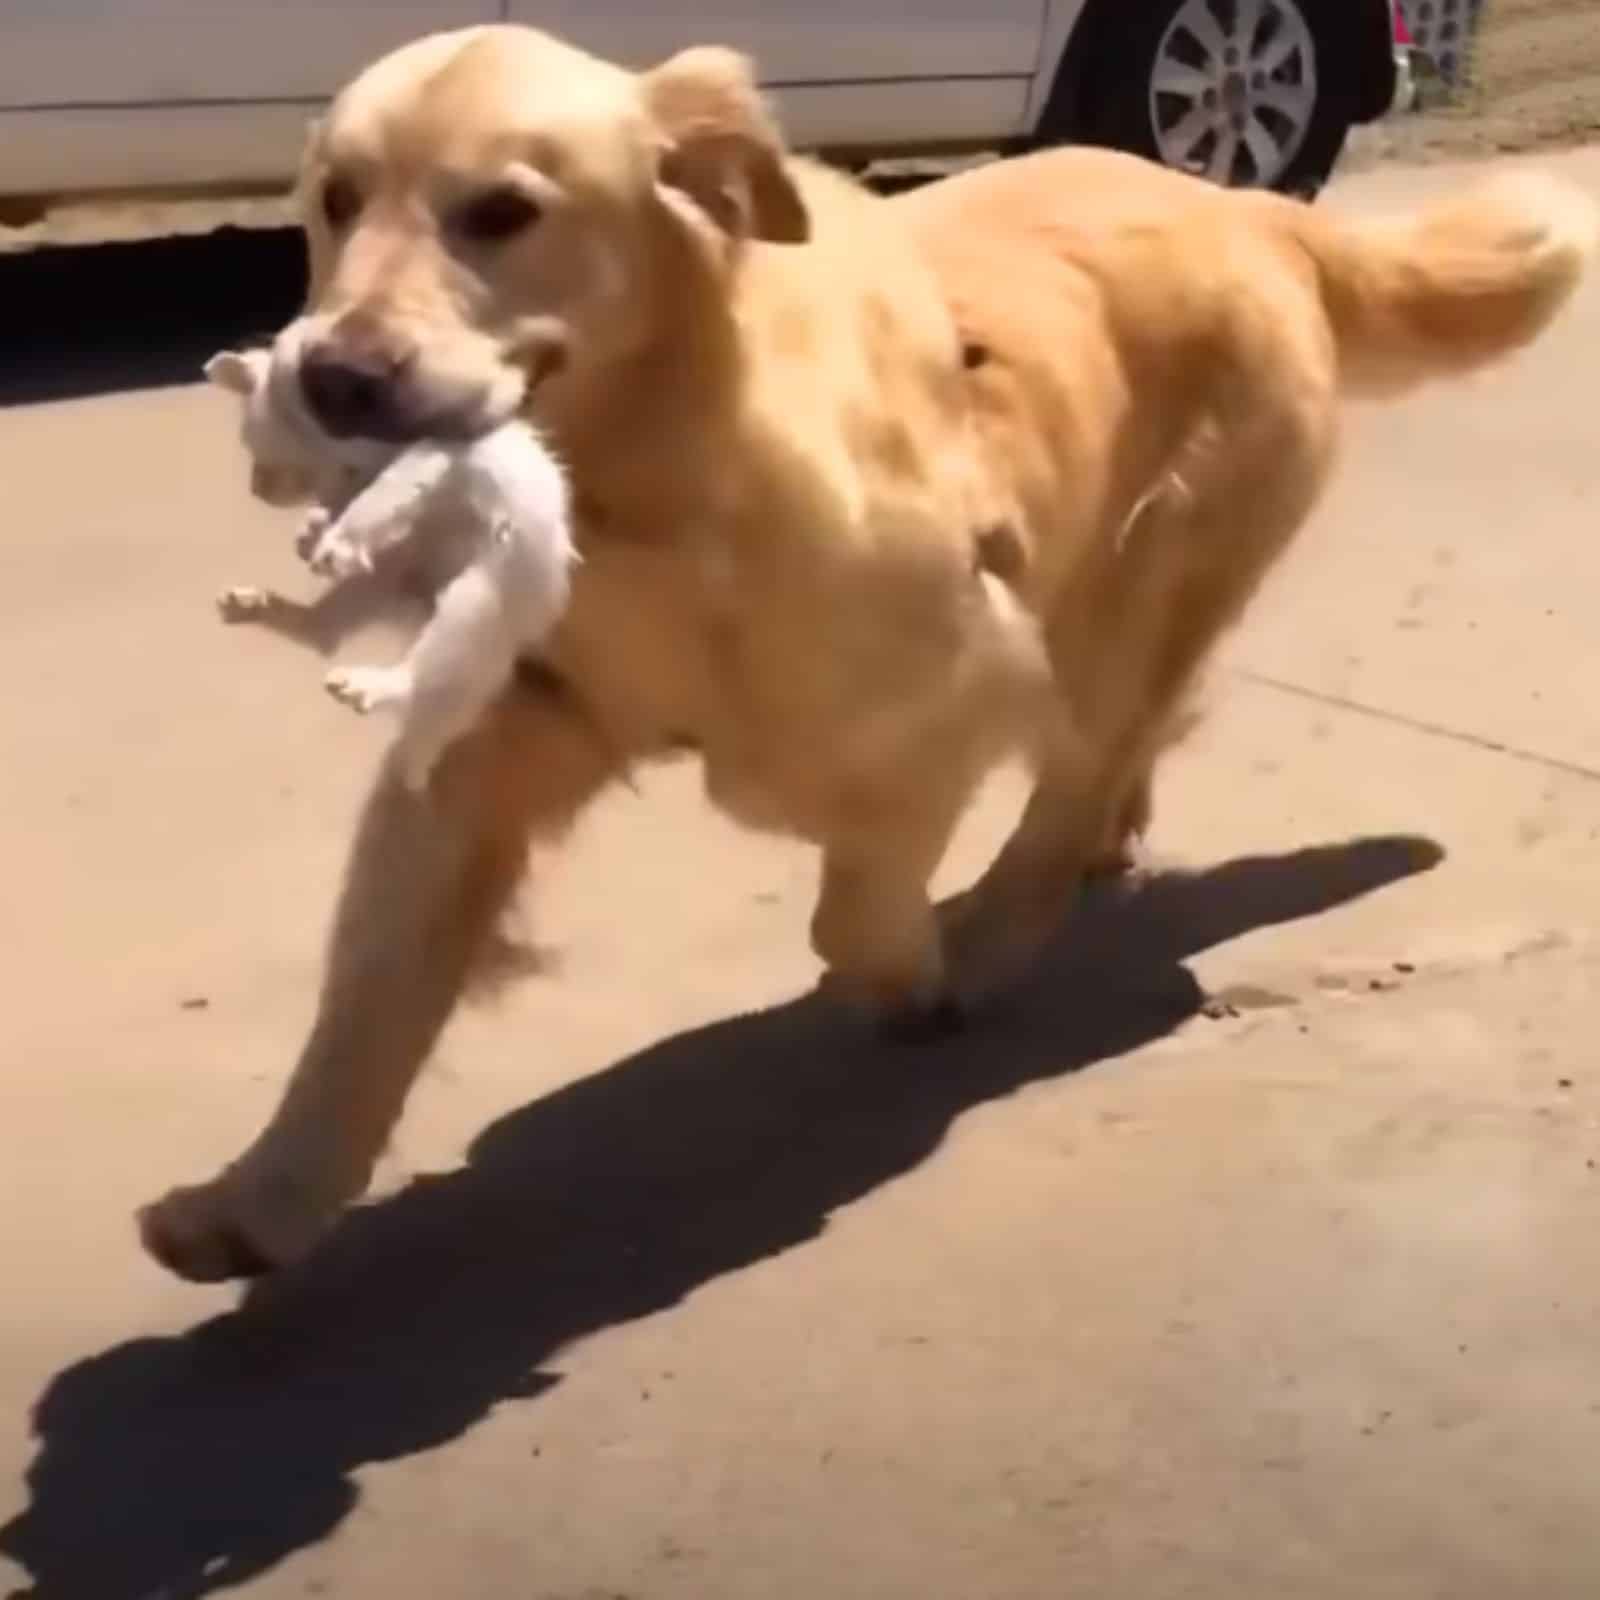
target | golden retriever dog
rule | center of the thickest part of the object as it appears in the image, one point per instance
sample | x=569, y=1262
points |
x=871, y=495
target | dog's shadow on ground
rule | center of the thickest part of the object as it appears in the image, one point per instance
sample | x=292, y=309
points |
x=177, y=1466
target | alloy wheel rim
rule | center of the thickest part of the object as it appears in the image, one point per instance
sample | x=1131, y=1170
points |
x=1234, y=89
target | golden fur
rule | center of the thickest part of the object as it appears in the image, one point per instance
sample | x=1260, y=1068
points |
x=872, y=494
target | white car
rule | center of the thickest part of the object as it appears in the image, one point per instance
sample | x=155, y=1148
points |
x=163, y=95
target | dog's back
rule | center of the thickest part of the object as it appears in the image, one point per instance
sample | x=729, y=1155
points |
x=1139, y=301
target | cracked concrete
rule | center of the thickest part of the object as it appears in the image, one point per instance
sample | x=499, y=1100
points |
x=1251, y=1254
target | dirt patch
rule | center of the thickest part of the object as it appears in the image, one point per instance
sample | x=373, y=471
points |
x=1532, y=81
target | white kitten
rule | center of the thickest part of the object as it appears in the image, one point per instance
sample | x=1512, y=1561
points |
x=491, y=521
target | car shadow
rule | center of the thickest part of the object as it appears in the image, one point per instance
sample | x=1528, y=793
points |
x=176, y=1466
x=98, y=319
x=86, y=320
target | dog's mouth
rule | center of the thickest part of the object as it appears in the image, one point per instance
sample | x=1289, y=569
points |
x=400, y=427
x=450, y=412
x=355, y=407
x=412, y=410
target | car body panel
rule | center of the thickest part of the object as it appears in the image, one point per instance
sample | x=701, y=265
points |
x=173, y=95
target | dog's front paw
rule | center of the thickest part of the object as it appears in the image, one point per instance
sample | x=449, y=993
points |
x=923, y=1012
x=236, y=1226
x=244, y=604
x=1126, y=857
x=928, y=1020
x=991, y=943
x=366, y=689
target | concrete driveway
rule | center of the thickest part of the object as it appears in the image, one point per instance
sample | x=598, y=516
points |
x=675, y=1289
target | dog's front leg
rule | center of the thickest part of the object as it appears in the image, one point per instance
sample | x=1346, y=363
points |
x=428, y=879
x=874, y=924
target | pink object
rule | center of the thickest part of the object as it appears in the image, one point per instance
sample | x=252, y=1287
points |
x=1402, y=34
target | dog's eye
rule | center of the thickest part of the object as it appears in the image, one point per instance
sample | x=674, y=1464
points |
x=340, y=202
x=496, y=214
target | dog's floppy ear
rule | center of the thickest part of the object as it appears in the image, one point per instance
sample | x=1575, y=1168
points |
x=722, y=151
x=238, y=371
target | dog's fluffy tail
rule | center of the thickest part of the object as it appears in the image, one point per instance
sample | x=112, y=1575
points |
x=1463, y=284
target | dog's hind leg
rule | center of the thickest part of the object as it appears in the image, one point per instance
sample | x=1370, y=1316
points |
x=426, y=886
x=1121, y=847
x=1131, y=644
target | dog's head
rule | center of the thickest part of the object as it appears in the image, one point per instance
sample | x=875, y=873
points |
x=490, y=208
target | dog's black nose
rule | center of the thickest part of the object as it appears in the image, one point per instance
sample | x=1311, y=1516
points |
x=350, y=392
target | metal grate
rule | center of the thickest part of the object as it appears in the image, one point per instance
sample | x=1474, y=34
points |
x=1444, y=31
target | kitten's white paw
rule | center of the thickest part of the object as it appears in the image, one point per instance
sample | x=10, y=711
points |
x=317, y=522
x=338, y=557
x=366, y=689
x=243, y=604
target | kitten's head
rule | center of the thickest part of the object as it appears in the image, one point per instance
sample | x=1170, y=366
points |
x=280, y=471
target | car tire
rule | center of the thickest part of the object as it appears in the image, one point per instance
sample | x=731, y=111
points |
x=1179, y=82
